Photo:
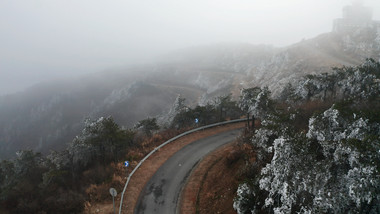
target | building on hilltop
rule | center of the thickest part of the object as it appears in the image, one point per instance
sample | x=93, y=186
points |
x=355, y=16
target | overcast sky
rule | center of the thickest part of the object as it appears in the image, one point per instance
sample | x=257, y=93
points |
x=45, y=39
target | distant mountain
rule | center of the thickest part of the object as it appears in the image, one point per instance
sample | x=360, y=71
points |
x=47, y=116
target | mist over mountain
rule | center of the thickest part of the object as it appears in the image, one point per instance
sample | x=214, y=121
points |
x=47, y=116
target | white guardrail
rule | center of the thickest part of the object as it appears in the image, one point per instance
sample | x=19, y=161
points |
x=169, y=141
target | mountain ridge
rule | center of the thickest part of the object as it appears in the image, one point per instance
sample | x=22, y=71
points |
x=47, y=116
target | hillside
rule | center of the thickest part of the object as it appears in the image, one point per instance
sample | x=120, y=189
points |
x=317, y=149
x=47, y=116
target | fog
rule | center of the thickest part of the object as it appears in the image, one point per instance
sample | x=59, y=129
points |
x=46, y=39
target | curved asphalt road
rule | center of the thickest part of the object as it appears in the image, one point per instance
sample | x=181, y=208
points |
x=162, y=192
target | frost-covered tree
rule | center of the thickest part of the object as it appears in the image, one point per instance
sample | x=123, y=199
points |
x=178, y=107
x=256, y=101
x=334, y=165
x=179, y=104
x=101, y=141
x=360, y=82
x=248, y=98
x=334, y=168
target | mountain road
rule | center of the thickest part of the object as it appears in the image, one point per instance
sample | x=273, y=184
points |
x=163, y=191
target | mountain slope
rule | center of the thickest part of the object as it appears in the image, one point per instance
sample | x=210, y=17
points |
x=49, y=115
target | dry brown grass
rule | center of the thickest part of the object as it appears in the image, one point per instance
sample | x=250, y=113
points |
x=213, y=184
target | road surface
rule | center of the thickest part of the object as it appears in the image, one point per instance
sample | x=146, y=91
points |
x=162, y=192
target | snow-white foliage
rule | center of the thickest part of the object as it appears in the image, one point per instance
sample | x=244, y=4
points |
x=359, y=82
x=334, y=166
x=261, y=104
x=256, y=101
x=331, y=127
x=261, y=137
x=243, y=193
x=60, y=160
x=362, y=41
x=276, y=180
x=80, y=152
x=322, y=171
x=314, y=86
x=80, y=149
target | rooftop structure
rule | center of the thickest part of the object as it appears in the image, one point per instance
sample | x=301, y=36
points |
x=355, y=16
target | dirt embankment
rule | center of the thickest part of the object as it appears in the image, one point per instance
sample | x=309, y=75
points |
x=212, y=186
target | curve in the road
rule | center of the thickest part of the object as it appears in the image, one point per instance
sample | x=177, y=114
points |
x=162, y=192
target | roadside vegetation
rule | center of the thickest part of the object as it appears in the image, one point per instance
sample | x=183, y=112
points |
x=318, y=147
x=67, y=181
